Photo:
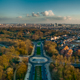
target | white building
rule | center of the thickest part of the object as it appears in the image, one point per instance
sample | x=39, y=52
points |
x=54, y=38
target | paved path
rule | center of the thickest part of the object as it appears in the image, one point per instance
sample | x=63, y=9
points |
x=28, y=72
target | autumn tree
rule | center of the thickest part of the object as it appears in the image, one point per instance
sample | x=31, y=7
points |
x=21, y=71
x=22, y=48
x=10, y=73
x=50, y=47
x=1, y=72
x=35, y=37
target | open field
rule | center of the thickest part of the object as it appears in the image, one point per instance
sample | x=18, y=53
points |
x=38, y=51
x=38, y=75
x=38, y=43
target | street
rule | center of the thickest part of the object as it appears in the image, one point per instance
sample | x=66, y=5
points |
x=43, y=68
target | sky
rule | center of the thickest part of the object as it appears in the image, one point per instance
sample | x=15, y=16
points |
x=40, y=11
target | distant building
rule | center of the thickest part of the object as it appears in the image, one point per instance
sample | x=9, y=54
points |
x=25, y=24
x=55, y=24
x=40, y=27
x=51, y=24
x=54, y=38
x=60, y=24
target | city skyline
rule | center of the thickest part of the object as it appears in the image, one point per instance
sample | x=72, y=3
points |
x=39, y=11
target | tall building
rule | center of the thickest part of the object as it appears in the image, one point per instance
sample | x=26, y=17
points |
x=55, y=25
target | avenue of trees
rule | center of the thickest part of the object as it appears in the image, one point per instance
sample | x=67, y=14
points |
x=16, y=42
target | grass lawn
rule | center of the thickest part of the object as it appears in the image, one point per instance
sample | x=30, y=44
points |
x=38, y=75
x=38, y=51
x=38, y=43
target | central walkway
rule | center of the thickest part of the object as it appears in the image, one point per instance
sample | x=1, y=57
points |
x=38, y=61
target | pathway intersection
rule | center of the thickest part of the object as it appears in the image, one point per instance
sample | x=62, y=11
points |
x=38, y=61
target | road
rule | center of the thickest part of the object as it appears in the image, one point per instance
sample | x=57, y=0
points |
x=44, y=73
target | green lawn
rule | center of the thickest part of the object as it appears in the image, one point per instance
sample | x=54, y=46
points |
x=38, y=51
x=38, y=43
x=38, y=75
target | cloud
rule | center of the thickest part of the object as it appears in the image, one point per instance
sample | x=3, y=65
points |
x=47, y=13
x=69, y=17
x=54, y=18
x=29, y=15
x=64, y=18
x=35, y=15
x=57, y=18
x=19, y=17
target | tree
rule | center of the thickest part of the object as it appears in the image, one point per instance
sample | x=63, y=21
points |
x=5, y=61
x=29, y=46
x=10, y=73
x=35, y=37
x=77, y=60
x=1, y=72
x=51, y=48
x=22, y=48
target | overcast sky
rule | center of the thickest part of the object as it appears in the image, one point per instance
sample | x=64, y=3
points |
x=40, y=11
